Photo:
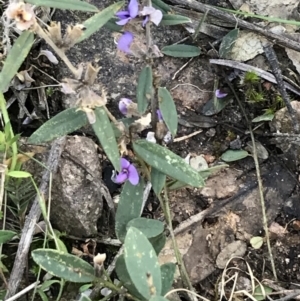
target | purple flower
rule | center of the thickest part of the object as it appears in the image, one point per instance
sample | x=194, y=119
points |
x=128, y=172
x=123, y=105
x=125, y=42
x=220, y=94
x=159, y=116
x=152, y=14
x=126, y=15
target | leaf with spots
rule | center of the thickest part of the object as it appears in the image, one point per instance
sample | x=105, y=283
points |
x=144, y=89
x=167, y=162
x=142, y=263
x=129, y=207
x=168, y=109
x=105, y=133
x=62, y=265
x=151, y=228
x=61, y=124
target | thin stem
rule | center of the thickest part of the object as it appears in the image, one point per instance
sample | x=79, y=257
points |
x=166, y=208
x=259, y=180
x=148, y=32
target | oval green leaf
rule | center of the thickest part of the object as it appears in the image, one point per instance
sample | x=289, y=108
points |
x=65, y=4
x=97, y=21
x=149, y=227
x=168, y=109
x=264, y=117
x=228, y=42
x=169, y=19
x=124, y=277
x=129, y=207
x=141, y=262
x=159, y=4
x=158, y=243
x=167, y=276
x=6, y=235
x=61, y=124
x=256, y=242
x=15, y=58
x=158, y=180
x=19, y=174
x=181, y=50
x=158, y=298
x=65, y=266
x=234, y=155
x=105, y=133
x=144, y=89
x=167, y=162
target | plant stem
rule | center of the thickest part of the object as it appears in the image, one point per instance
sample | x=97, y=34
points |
x=259, y=180
x=166, y=208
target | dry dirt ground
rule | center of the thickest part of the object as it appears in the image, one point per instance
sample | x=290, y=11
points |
x=235, y=214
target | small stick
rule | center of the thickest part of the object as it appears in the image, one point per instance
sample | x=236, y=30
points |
x=273, y=61
x=187, y=136
x=261, y=73
x=32, y=219
x=279, y=39
x=24, y=291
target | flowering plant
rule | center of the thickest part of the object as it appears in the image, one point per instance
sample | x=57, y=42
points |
x=138, y=163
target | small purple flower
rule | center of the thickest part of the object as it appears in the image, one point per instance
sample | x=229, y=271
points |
x=159, y=116
x=128, y=172
x=125, y=42
x=123, y=105
x=220, y=94
x=152, y=14
x=126, y=15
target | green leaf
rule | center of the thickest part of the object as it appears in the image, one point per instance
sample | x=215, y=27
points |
x=141, y=262
x=94, y=23
x=144, y=89
x=158, y=243
x=168, y=109
x=228, y=42
x=61, y=124
x=159, y=4
x=65, y=266
x=85, y=287
x=158, y=180
x=65, y=4
x=167, y=162
x=129, y=207
x=112, y=26
x=181, y=50
x=19, y=174
x=149, y=227
x=17, y=54
x=169, y=19
x=264, y=117
x=105, y=133
x=256, y=242
x=6, y=235
x=234, y=155
x=261, y=291
x=167, y=276
x=124, y=277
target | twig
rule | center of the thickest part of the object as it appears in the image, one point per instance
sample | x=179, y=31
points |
x=187, y=136
x=289, y=297
x=279, y=39
x=32, y=219
x=273, y=61
x=24, y=291
x=261, y=73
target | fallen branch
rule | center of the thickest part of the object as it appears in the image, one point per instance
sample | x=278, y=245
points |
x=279, y=39
x=32, y=219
